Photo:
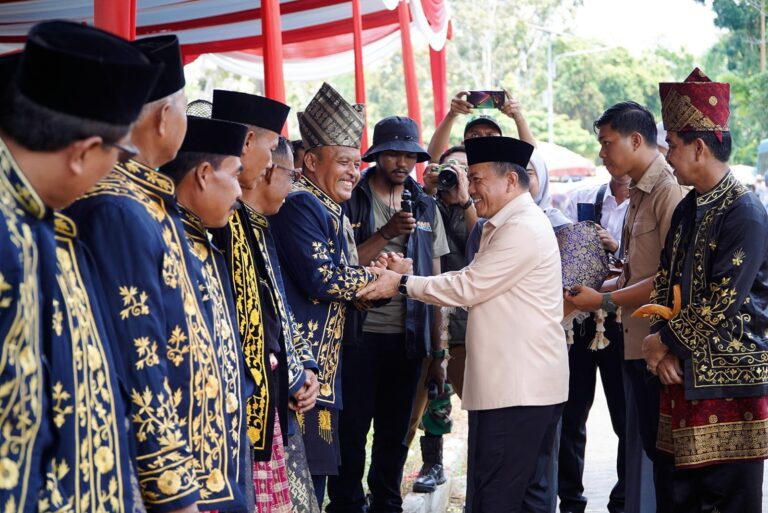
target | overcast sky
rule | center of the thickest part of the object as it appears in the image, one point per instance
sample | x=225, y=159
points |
x=638, y=24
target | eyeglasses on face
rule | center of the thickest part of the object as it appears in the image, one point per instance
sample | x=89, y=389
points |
x=295, y=174
x=124, y=153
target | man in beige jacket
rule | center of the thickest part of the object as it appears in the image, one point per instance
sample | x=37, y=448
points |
x=627, y=136
x=516, y=377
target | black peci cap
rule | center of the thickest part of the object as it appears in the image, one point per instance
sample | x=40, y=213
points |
x=214, y=136
x=9, y=64
x=250, y=109
x=498, y=149
x=164, y=49
x=85, y=72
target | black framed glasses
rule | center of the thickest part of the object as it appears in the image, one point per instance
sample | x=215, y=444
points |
x=124, y=153
x=295, y=174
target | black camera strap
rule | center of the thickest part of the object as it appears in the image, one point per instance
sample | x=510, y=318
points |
x=599, y=203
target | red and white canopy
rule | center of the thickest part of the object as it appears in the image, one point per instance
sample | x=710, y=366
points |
x=310, y=28
x=293, y=39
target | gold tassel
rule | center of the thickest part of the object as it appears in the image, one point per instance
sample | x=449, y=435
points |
x=300, y=420
x=324, y=420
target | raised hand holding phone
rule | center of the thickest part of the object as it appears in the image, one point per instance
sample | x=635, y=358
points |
x=460, y=105
x=486, y=99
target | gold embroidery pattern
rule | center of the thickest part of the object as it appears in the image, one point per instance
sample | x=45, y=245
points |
x=730, y=441
x=176, y=348
x=716, y=362
x=97, y=431
x=327, y=348
x=679, y=112
x=51, y=499
x=301, y=345
x=229, y=357
x=61, y=396
x=134, y=306
x=164, y=476
x=168, y=472
x=219, y=374
x=147, y=351
x=21, y=395
x=57, y=318
x=5, y=300
x=305, y=184
x=295, y=367
x=248, y=311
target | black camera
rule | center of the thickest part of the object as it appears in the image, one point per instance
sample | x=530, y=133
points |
x=448, y=177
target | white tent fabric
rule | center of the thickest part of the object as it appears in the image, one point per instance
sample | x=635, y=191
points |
x=16, y=18
x=249, y=65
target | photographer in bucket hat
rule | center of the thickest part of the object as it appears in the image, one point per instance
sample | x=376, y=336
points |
x=382, y=362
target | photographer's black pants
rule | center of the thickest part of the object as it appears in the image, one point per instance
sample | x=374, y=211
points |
x=584, y=364
x=378, y=385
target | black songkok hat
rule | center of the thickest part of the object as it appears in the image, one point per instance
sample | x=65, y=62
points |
x=8, y=65
x=498, y=149
x=164, y=49
x=250, y=109
x=85, y=72
x=214, y=136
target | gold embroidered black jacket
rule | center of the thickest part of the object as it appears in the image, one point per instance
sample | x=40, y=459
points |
x=27, y=267
x=131, y=224
x=253, y=276
x=717, y=250
x=319, y=282
x=91, y=460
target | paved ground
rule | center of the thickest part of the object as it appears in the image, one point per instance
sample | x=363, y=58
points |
x=600, y=465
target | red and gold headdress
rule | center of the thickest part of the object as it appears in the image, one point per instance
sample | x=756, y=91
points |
x=696, y=105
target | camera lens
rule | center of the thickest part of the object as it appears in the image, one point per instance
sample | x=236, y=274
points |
x=447, y=179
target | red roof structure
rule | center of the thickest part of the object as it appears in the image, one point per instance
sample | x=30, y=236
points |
x=272, y=31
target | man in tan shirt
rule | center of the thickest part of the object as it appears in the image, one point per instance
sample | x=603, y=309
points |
x=516, y=377
x=627, y=135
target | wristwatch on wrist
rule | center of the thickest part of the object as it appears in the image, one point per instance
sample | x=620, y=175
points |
x=608, y=305
x=468, y=204
x=440, y=353
x=402, y=289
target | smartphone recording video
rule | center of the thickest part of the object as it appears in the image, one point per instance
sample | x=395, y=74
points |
x=486, y=99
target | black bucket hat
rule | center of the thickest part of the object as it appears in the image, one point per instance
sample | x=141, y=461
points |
x=396, y=133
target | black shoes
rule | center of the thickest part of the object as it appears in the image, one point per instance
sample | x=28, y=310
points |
x=431, y=474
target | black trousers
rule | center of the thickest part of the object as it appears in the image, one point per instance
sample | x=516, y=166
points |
x=379, y=384
x=647, y=389
x=504, y=449
x=584, y=364
x=725, y=488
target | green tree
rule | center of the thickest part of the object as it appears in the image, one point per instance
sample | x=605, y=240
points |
x=736, y=59
x=739, y=49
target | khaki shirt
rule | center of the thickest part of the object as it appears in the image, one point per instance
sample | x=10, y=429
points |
x=652, y=201
x=516, y=349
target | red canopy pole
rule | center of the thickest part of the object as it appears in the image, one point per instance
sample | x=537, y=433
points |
x=272, y=33
x=357, y=32
x=115, y=16
x=409, y=66
x=437, y=65
x=133, y=20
